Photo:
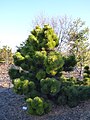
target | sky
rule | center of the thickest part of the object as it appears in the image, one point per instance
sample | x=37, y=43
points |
x=16, y=16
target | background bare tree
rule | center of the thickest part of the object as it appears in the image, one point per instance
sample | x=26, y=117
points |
x=73, y=36
x=66, y=28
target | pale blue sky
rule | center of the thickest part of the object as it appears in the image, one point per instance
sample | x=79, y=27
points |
x=16, y=16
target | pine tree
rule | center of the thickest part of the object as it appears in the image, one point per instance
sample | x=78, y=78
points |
x=38, y=68
x=38, y=73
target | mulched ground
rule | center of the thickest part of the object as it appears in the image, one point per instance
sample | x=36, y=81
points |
x=11, y=109
x=11, y=105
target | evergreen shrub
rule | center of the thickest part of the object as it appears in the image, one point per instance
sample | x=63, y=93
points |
x=38, y=73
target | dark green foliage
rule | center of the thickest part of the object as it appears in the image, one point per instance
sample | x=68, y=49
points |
x=86, y=80
x=86, y=68
x=62, y=100
x=69, y=63
x=50, y=86
x=41, y=74
x=86, y=72
x=72, y=93
x=84, y=92
x=14, y=73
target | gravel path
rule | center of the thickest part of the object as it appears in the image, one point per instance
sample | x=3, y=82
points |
x=11, y=109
